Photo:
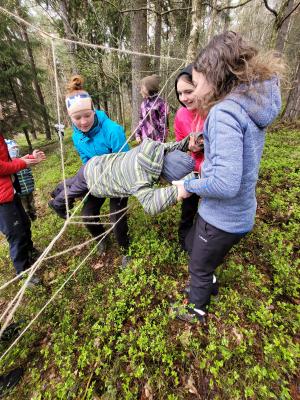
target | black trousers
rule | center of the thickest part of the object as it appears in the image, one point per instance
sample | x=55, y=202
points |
x=189, y=208
x=207, y=247
x=15, y=225
x=77, y=187
x=92, y=208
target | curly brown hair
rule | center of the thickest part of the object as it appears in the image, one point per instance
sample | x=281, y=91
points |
x=229, y=61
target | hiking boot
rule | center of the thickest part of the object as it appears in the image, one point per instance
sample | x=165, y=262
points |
x=33, y=281
x=189, y=314
x=60, y=211
x=10, y=380
x=10, y=332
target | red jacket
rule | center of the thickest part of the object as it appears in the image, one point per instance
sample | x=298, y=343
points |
x=7, y=168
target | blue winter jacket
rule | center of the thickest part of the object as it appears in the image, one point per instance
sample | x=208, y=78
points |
x=234, y=136
x=104, y=138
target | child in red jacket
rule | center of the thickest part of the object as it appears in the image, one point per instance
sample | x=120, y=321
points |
x=14, y=222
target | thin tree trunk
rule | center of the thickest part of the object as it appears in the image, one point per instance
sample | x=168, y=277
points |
x=212, y=22
x=37, y=85
x=32, y=126
x=292, y=108
x=283, y=30
x=226, y=16
x=21, y=116
x=69, y=34
x=193, y=42
x=139, y=63
x=157, y=37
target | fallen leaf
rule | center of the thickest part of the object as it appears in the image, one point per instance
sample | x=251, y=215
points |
x=191, y=386
x=98, y=265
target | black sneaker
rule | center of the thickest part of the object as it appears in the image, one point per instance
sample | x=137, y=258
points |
x=188, y=314
x=10, y=380
x=10, y=332
x=60, y=211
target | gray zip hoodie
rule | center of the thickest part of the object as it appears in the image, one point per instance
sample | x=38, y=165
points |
x=234, y=137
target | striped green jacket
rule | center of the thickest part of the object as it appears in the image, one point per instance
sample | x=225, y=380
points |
x=134, y=173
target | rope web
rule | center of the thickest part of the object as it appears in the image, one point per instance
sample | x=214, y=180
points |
x=13, y=305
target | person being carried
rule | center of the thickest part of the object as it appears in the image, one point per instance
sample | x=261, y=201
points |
x=132, y=173
x=26, y=181
x=154, y=112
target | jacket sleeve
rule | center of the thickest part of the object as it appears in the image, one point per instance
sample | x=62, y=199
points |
x=159, y=119
x=116, y=135
x=182, y=145
x=11, y=167
x=225, y=135
x=154, y=200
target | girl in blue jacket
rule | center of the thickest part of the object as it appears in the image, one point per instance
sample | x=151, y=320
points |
x=94, y=134
x=240, y=91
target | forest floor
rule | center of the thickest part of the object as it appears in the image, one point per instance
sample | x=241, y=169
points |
x=109, y=333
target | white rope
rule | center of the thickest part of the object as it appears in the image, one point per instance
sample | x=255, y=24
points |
x=58, y=121
x=56, y=293
x=44, y=34
x=68, y=250
x=21, y=292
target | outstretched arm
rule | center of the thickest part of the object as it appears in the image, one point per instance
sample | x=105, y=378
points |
x=153, y=200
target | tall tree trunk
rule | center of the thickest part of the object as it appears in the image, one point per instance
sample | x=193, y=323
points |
x=63, y=8
x=21, y=116
x=226, y=16
x=292, y=108
x=193, y=42
x=212, y=22
x=139, y=63
x=37, y=85
x=32, y=126
x=157, y=36
x=283, y=28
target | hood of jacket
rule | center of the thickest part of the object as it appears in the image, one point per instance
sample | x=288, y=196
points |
x=185, y=71
x=262, y=101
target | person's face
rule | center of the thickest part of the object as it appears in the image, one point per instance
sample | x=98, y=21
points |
x=186, y=94
x=83, y=120
x=202, y=87
x=144, y=92
x=14, y=152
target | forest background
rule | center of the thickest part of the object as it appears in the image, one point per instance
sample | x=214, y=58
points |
x=108, y=334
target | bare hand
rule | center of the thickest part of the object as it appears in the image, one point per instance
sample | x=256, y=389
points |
x=139, y=139
x=181, y=192
x=196, y=143
x=39, y=155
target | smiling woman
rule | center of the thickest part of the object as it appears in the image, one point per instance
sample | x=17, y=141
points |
x=188, y=120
